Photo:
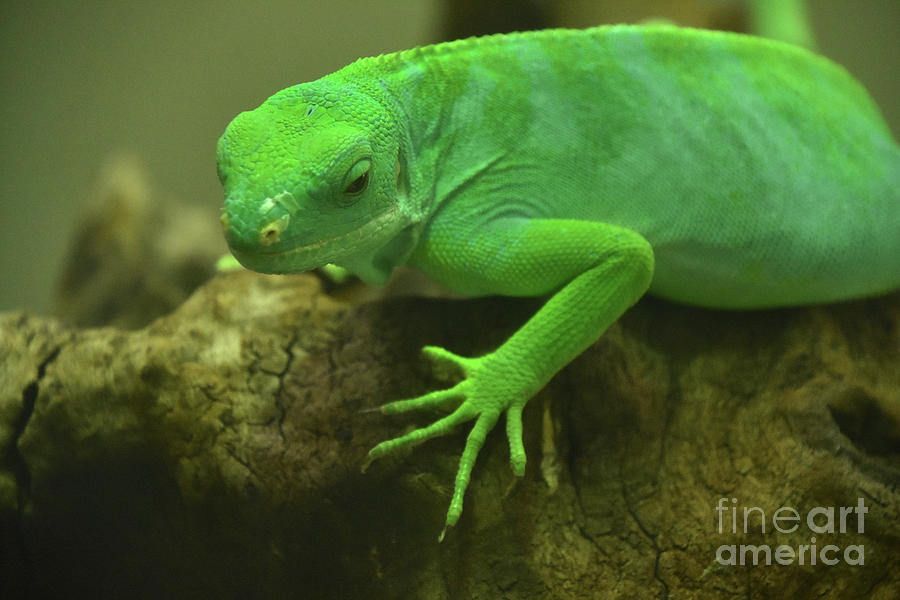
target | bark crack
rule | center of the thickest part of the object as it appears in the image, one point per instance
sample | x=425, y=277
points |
x=656, y=547
x=20, y=465
x=20, y=469
x=279, y=400
x=650, y=536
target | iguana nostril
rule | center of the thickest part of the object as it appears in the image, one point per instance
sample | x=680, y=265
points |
x=269, y=236
x=271, y=233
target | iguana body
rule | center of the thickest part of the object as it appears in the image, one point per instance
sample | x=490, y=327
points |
x=714, y=169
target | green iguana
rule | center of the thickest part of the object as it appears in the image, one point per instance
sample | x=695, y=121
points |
x=714, y=169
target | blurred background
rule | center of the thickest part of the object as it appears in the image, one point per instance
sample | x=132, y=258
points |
x=86, y=81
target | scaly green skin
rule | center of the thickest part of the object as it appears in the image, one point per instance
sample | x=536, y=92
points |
x=590, y=166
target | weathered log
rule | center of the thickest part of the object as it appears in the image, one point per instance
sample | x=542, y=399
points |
x=216, y=452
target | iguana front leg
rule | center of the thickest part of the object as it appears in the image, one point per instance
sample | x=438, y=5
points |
x=594, y=272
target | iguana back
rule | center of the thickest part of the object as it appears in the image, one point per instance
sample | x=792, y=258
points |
x=754, y=168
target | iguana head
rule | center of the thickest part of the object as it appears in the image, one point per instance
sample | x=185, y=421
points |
x=311, y=177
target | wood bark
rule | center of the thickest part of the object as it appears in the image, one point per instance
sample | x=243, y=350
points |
x=217, y=452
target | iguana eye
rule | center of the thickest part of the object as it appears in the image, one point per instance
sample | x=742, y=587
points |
x=357, y=185
x=357, y=179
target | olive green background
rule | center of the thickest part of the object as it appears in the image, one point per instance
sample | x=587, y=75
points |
x=84, y=80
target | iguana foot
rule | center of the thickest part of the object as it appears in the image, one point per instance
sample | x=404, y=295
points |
x=490, y=386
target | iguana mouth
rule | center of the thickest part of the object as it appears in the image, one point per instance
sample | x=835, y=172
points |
x=323, y=251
